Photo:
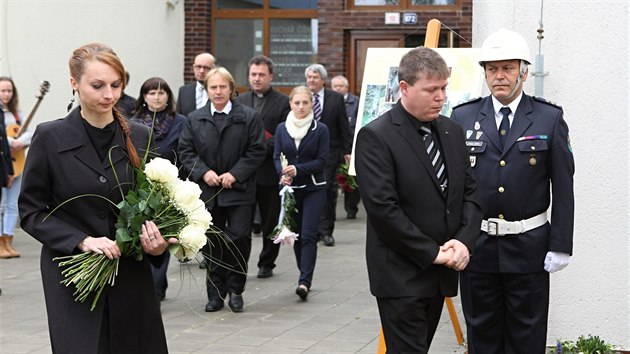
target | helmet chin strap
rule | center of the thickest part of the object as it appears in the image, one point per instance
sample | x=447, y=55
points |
x=521, y=73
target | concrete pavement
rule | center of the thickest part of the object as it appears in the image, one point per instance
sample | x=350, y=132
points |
x=340, y=315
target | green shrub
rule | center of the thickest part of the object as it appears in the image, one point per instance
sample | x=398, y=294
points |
x=584, y=345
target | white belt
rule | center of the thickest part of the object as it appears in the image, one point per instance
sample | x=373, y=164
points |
x=500, y=227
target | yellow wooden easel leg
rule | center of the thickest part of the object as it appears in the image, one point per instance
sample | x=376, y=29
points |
x=382, y=349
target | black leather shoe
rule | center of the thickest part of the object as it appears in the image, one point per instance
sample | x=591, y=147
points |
x=236, y=303
x=214, y=305
x=302, y=292
x=329, y=240
x=265, y=272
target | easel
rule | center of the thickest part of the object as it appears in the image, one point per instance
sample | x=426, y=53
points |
x=431, y=41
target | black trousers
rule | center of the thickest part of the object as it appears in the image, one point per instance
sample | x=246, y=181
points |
x=506, y=313
x=409, y=323
x=229, y=253
x=268, y=199
x=327, y=223
x=351, y=201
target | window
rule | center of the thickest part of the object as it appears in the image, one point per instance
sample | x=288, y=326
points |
x=400, y=4
x=283, y=30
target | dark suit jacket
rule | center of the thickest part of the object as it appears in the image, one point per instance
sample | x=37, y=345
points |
x=187, y=99
x=335, y=118
x=273, y=112
x=62, y=163
x=408, y=215
x=352, y=111
x=538, y=132
x=309, y=159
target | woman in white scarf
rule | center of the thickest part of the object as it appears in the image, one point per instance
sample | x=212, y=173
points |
x=305, y=144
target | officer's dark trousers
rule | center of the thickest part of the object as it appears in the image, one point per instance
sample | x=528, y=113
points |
x=327, y=224
x=506, y=313
x=268, y=199
x=409, y=323
x=227, y=270
x=310, y=206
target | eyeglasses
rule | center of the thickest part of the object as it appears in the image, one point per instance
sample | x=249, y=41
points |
x=199, y=67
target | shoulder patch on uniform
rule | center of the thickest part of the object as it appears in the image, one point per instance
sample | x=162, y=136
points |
x=469, y=101
x=540, y=99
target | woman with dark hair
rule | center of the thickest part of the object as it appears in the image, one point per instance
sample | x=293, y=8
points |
x=156, y=109
x=92, y=152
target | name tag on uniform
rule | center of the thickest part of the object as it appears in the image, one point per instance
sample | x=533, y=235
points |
x=474, y=143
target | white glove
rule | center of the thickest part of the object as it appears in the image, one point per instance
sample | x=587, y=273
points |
x=555, y=261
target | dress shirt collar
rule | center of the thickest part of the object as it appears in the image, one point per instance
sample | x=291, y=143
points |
x=227, y=109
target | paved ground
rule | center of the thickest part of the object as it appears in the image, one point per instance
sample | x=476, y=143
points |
x=340, y=315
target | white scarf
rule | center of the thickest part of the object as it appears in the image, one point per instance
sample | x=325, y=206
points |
x=297, y=128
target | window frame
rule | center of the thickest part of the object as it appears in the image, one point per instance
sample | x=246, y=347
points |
x=404, y=5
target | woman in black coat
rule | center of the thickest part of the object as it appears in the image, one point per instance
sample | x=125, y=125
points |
x=71, y=157
x=304, y=143
x=155, y=108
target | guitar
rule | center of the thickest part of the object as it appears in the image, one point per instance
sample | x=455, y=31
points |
x=16, y=130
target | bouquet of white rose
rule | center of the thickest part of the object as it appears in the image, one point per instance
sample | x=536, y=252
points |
x=158, y=195
x=283, y=233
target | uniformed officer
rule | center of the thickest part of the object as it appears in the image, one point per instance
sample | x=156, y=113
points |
x=521, y=155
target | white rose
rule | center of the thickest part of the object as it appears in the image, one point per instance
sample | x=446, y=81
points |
x=161, y=170
x=185, y=194
x=192, y=238
x=200, y=217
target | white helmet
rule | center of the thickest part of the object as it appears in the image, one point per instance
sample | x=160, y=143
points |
x=504, y=45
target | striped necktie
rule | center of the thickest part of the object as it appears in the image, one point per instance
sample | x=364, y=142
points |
x=504, y=128
x=435, y=156
x=317, y=108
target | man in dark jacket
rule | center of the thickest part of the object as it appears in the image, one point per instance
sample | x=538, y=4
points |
x=329, y=108
x=272, y=108
x=193, y=95
x=222, y=146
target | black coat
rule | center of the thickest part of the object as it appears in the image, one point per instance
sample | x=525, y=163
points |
x=408, y=215
x=62, y=163
x=335, y=117
x=6, y=164
x=237, y=148
x=273, y=112
x=187, y=98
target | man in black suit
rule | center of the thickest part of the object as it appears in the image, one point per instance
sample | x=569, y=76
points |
x=340, y=84
x=329, y=108
x=423, y=216
x=193, y=95
x=272, y=108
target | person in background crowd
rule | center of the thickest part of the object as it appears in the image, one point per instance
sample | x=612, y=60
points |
x=329, y=108
x=420, y=197
x=156, y=109
x=193, y=95
x=304, y=143
x=222, y=145
x=519, y=147
x=340, y=84
x=9, y=101
x=126, y=104
x=272, y=107
x=93, y=150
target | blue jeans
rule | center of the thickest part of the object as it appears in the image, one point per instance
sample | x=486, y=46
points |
x=9, y=206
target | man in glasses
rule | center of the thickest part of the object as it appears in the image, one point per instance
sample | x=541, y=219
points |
x=193, y=95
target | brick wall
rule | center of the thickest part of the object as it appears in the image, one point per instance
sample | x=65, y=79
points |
x=335, y=24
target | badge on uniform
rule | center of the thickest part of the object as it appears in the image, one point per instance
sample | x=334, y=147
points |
x=468, y=134
x=473, y=160
x=479, y=134
x=477, y=126
x=532, y=159
x=569, y=144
